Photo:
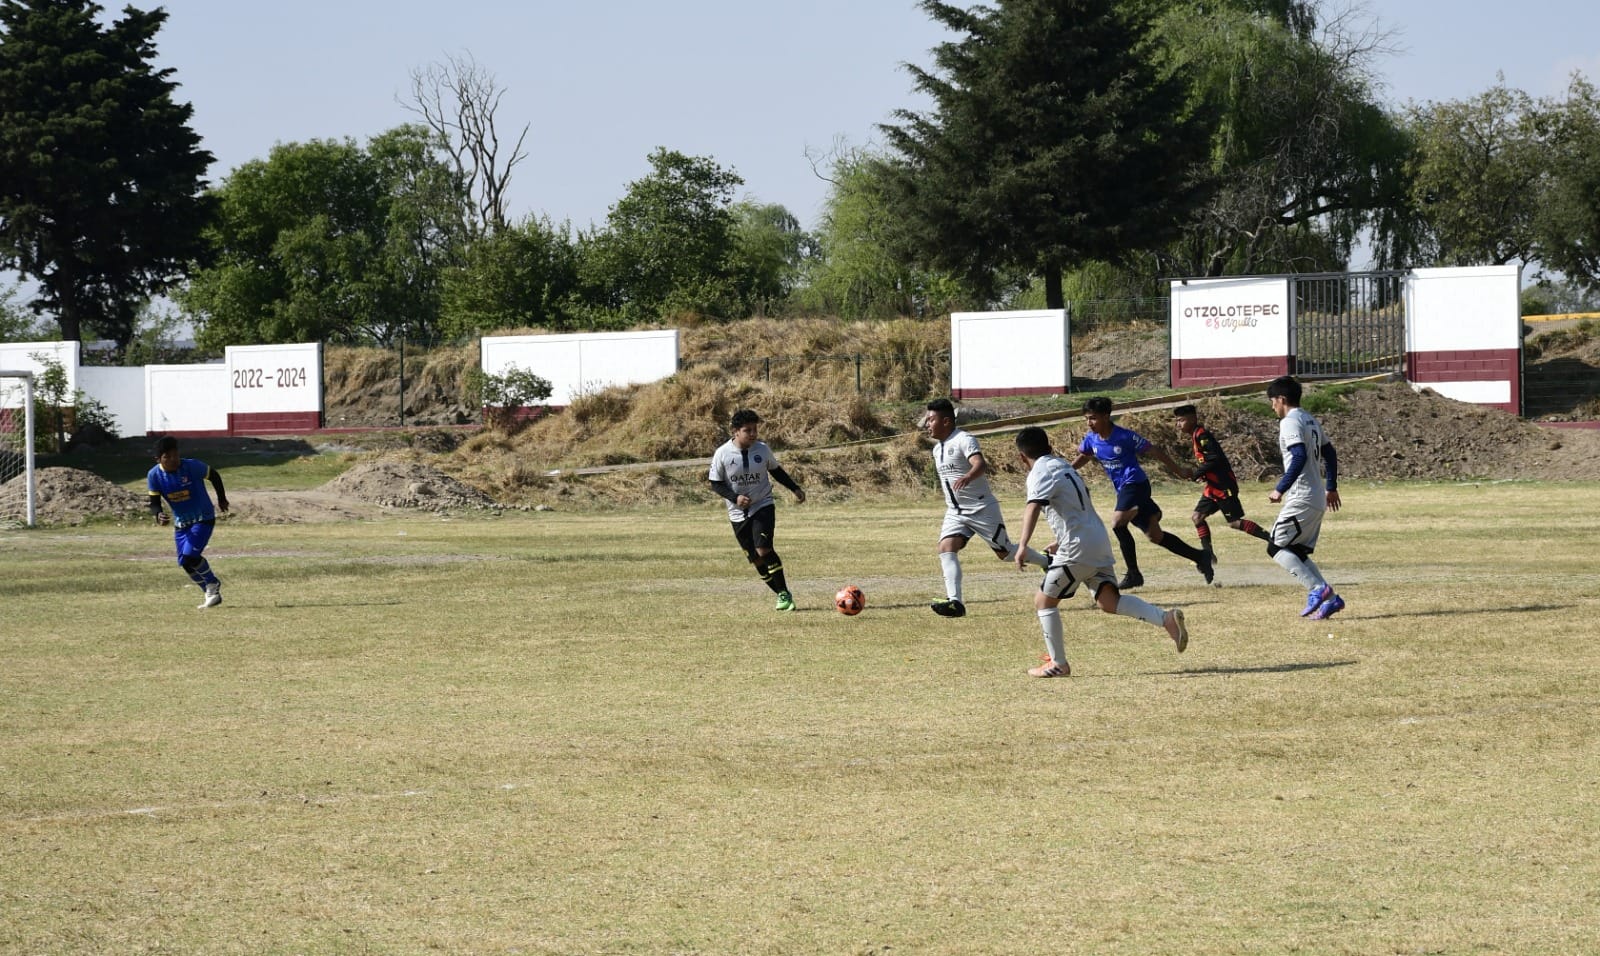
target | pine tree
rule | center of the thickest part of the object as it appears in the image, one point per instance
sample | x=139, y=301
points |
x=101, y=179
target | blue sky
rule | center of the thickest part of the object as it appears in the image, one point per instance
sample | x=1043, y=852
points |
x=754, y=84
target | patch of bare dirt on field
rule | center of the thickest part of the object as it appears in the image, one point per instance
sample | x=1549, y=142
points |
x=70, y=496
x=397, y=483
x=297, y=507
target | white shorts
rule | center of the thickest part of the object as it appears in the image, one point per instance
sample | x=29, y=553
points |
x=1062, y=580
x=983, y=522
x=1298, y=526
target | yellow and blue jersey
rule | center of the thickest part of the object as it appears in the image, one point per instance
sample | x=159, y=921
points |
x=184, y=491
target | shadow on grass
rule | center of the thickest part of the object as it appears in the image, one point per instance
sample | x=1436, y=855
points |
x=1264, y=669
x=1449, y=612
x=335, y=603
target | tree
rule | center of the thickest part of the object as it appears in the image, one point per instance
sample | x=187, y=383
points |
x=1478, y=176
x=667, y=242
x=865, y=264
x=1569, y=219
x=523, y=275
x=1054, y=139
x=16, y=323
x=327, y=241
x=460, y=101
x=101, y=178
x=769, y=254
x=1304, y=156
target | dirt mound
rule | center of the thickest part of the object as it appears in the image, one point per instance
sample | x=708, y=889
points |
x=70, y=496
x=1393, y=431
x=398, y=483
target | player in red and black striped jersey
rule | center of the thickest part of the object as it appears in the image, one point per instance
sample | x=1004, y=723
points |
x=1216, y=472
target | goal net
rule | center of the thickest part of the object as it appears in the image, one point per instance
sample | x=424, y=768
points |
x=19, y=488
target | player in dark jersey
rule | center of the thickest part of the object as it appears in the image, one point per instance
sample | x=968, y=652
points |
x=1221, y=485
x=1117, y=449
x=742, y=472
x=180, y=482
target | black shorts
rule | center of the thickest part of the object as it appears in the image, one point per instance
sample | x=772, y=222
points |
x=1136, y=494
x=1231, y=507
x=756, y=531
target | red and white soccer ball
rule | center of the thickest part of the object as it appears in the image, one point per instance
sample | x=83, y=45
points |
x=850, y=600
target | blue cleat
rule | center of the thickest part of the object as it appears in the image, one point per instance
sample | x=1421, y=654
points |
x=1314, y=600
x=1329, y=608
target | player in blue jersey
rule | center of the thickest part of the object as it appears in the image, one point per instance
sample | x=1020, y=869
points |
x=181, y=483
x=1081, y=553
x=1308, y=490
x=1117, y=449
x=742, y=472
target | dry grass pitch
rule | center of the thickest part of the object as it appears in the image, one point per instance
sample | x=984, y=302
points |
x=566, y=733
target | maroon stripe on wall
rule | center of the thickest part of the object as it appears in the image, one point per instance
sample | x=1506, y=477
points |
x=1228, y=371
x=273, y=423
x=199, y=433
x=1470, y=365
x=964, y=393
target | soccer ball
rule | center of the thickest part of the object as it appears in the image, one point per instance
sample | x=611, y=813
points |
x=850, y=600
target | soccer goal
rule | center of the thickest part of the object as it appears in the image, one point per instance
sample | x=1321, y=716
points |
x=16, y=449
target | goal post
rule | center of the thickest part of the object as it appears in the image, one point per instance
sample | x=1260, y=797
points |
x=16, y=441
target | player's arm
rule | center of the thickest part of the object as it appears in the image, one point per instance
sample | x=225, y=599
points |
x=215, y=477
x=782, y=478
x=1167, y=462
x=1030, y=519
x=724, y=489
x=1083, y=459
x=1291, y=474
x=1211, y=456
x=1330, y=460
x=977, y=466
x=155, y=507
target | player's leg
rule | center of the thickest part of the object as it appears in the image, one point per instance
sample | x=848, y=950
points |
x=990, y=525
x=1058, y=583
x=191, y=543
x=763, y=528
x=1294, y=537
x=1233, y=510
x=1112, y=601
x=1126, y=513
x=1150, y=512
x=1203, y=509
x=952, y=538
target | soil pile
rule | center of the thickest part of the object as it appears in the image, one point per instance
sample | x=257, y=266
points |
x=70, y=496
x=396, y=483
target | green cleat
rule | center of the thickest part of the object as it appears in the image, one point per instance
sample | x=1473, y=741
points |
x=785, y=601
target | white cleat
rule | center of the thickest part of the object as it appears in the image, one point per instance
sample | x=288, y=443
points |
x=213, y=596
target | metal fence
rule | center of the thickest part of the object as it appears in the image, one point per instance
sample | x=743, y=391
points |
x=1348, y=323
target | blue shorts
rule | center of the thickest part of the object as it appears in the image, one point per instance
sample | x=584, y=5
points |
x=1136, y=494
x=193, y=538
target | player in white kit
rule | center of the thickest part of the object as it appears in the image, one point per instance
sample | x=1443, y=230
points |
x=971, y=510
x=1306, y=493
x=1082, y=553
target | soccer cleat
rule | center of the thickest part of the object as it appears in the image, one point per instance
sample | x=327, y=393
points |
x=951, y=608
x=1206, y=568
x=1333, y=605
x=213, y=596
x=1051, y=669
x=1315, y=598
x=1176, y=629
x=785, y=601
x=1131, y=580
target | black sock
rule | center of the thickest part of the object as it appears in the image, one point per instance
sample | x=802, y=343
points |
x=1204, y=531
x=1130, y=555
x=772, y=572
x=1178, y=547
x=1254, y=530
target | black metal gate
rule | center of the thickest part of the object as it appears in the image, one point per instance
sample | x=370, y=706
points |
x=1345, y=324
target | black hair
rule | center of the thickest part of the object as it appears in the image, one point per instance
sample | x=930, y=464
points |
x=165, y=444
x=943, y=406
x=1183, y=410
x=743, y=417
x=1286, y=388
x=1099, y=404
x=1033, y=442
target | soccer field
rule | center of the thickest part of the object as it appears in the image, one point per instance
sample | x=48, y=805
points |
x=570, y=733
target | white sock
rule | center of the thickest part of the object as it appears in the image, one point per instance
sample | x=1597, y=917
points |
x=1130, y=606
x=1304, y=571
x=1037, y=558
x=1050, y=623
x=950, y=563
